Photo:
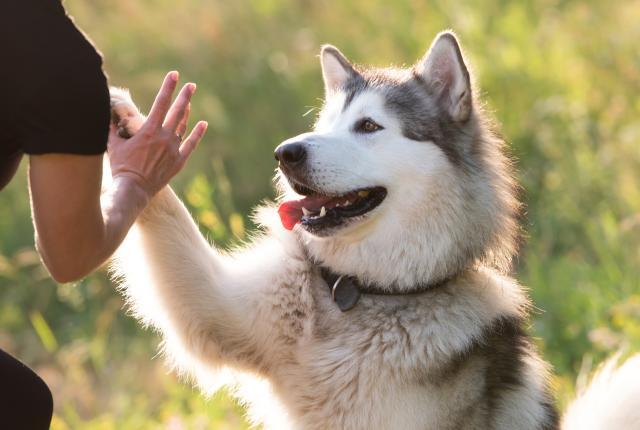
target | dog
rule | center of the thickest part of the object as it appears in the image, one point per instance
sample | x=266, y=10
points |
x=377, y=295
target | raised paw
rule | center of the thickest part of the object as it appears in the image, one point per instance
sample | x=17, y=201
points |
x=124, y=113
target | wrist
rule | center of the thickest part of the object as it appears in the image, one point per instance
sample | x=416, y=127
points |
x=133, y=188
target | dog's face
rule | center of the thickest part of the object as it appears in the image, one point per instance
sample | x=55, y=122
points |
x=393, y=159
x=378, y=143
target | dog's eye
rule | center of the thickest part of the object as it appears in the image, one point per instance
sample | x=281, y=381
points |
x=367, y=125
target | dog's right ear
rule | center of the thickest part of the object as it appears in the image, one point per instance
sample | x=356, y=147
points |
x=444, y=70
x=336, y=69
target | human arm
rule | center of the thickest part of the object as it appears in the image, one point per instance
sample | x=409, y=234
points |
x=77, y=227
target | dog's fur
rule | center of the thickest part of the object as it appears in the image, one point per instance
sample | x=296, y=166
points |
x=455, y=356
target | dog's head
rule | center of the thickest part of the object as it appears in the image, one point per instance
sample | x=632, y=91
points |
x=402, y=180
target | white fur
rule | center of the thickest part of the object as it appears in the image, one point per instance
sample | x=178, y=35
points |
x=201, y=300
x=610, y=401
x=255, y=312
x=261, y=318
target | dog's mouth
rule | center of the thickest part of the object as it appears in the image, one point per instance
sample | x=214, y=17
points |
x=317, y=211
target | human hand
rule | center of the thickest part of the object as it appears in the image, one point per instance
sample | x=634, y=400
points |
x=156, y=151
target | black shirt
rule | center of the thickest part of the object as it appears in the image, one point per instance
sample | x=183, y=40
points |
x=53, y=94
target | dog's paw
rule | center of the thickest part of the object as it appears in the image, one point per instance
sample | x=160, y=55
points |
x=124, y=113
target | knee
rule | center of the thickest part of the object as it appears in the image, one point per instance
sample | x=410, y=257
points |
x=33, y=404
x=37, y=405
x=25, y=399
x=43, y=401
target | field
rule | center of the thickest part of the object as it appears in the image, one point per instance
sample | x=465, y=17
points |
x=562, y=77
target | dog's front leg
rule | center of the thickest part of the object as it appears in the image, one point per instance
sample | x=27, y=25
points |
x=208, y=307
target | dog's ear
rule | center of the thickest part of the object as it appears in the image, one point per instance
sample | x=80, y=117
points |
x=336, y=69
x=444, y=71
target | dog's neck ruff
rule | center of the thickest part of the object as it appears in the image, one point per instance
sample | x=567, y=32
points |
x=346, y=290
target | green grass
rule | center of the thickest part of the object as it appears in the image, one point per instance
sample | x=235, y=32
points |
x=561, y=76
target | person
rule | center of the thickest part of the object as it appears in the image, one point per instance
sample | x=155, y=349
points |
x=55, y=109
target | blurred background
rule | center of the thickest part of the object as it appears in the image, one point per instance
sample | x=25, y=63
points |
x=561, y=76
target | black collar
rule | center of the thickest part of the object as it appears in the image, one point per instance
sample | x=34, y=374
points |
x=346, y=290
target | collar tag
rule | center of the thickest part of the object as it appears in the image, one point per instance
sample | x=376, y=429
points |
x=345, y=293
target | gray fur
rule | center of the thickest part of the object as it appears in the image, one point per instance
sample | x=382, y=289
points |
x=454, y=357
x=411, y=101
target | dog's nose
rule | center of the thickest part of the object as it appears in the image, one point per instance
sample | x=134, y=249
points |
x=291, y=154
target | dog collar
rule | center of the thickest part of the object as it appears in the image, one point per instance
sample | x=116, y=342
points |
x=346, y=290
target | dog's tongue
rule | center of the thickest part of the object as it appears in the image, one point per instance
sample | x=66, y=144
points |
x=291, y=211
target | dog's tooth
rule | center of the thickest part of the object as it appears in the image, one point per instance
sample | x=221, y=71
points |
x=363, y=193
x=323, y=211
x=305, y=211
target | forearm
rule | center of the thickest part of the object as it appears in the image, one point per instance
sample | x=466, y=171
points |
x=121, y=204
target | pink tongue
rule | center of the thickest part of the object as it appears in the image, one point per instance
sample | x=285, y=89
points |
x=291, y=212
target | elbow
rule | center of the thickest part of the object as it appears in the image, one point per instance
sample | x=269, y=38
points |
x=62, y=276
x=65, y=273
x=62, y=268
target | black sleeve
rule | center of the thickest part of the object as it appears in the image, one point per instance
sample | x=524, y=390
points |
x=68, y=114
x=58, y=89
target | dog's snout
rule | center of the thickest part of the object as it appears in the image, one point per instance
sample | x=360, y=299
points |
x=291, y=154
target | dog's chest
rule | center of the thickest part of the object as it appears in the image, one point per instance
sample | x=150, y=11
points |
x=354, y=384
x=374, y=366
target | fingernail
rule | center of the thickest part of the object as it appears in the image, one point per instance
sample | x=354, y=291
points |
x=204, y=126
x=192, y=88
x=174, y=76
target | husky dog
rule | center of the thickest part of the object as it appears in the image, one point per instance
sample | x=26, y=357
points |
x=377, y=295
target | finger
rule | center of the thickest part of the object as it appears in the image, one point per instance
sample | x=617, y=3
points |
x=182, y=127
x=179, y=107
x=163, y=100
x=191, y=142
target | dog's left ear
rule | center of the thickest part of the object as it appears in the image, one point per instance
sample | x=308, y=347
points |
x=336, y=69
x=444, y=71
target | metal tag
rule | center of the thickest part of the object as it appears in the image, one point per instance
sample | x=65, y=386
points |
x=345, y=293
